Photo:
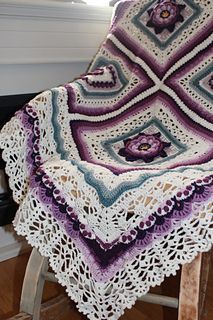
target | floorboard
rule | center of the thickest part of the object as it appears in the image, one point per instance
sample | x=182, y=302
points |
x=12, y=273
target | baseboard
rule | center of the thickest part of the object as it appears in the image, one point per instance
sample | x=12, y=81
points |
x=13, y=250
x=11, y=245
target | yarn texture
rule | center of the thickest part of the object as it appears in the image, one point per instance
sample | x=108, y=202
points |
x=113, y=171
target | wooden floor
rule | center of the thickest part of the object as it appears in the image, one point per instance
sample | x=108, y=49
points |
x=11, y=277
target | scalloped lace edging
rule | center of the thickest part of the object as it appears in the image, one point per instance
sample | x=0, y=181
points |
x=107, y=301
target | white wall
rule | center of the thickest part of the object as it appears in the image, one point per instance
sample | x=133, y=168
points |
x=44, y=43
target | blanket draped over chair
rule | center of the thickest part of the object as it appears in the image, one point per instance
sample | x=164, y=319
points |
x=113, y=172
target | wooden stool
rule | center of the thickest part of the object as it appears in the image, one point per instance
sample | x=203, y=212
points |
x=190, y=305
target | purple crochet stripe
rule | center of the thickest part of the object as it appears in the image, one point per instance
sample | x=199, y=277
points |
x=133, y=66
x=146, y=104
x=172, y=82
x=67, y=218
x=46, y=193
x=160, y=70
x=63, y=217
x=74, y=107
x=138, y=70
x=78, y=127
x=120, y=11
x=30, y=122
x=145, y=84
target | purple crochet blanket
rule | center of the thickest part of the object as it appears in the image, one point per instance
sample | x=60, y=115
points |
x=113, y=172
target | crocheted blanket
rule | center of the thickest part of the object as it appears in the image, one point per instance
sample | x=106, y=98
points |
x=113, y=172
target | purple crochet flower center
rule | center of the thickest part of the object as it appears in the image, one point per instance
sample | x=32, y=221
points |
x=145, y=147
x=164, y=15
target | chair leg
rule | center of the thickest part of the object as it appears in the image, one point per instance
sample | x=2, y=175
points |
x=205, y=272
x=194, y=278
x=33, y=285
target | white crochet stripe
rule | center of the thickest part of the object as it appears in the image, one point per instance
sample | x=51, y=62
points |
x=181, y=38
x=190, y=113
x=138, y=98
x=188, y=57
x=13, y=143
x=136, y=59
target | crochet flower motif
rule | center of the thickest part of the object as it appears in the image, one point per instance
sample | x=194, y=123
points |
x=164, y=15
x=144, y=146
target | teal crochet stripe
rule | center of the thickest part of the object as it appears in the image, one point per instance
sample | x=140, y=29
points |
x=195, y=83
x=108, y=197
x=57, y=127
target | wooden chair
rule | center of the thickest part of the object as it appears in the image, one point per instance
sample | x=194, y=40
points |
x=190, y=305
